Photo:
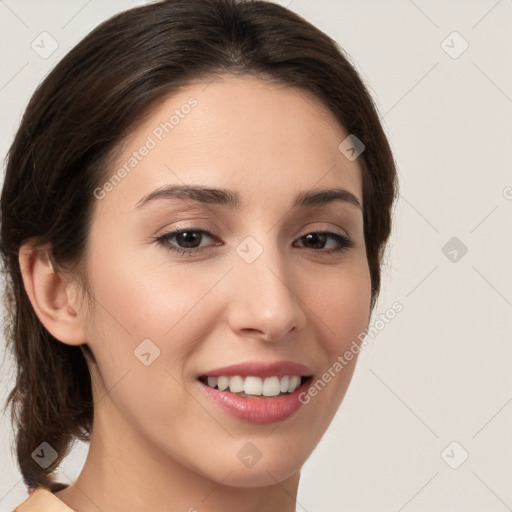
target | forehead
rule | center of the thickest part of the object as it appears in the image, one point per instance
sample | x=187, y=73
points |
x=256, y=136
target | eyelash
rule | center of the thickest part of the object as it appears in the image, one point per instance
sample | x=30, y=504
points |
x=343, y=240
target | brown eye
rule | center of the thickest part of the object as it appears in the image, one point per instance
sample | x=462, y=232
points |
x=318, y=239
x=185, y=240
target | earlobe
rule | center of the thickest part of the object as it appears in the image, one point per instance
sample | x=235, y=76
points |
x=48, y=293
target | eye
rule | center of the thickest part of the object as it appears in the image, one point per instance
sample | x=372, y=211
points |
x=189, y=238
x=319, y=239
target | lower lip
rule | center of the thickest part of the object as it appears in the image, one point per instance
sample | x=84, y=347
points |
x=257, y=410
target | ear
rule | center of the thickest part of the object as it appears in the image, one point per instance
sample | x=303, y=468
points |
x=51, y=295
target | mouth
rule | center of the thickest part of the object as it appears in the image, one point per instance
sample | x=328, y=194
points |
x=256, y=387
x=256, y=391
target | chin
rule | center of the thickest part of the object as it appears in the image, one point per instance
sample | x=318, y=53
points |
x=263, y=476
x=260, y=471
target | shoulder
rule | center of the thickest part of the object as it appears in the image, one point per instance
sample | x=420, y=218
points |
x=42, y=500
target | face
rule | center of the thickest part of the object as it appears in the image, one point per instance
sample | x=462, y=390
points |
x=188, y=283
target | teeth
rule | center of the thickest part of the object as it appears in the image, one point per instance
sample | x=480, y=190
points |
x=271, y=386
x=253, y=386
x=236, y=384
x=222, y=383
x=294, y=382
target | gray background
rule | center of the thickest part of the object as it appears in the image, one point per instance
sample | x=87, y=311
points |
x=440, y=372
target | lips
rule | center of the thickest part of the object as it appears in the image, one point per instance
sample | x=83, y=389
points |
x=258, y=369
x=278, y=404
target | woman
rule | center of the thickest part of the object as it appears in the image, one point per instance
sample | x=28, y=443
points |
x=194, y=215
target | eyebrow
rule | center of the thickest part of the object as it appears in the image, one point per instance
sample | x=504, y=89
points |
x=231, y=199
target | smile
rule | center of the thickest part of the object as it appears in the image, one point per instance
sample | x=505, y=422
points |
x=255, y=386
x=257, y=392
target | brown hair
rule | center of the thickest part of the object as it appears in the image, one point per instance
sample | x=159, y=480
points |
x=80, y=114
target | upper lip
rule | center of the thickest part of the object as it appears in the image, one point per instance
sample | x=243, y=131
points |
x=259, y=369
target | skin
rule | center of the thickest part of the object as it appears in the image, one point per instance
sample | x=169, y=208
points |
x=158, y=442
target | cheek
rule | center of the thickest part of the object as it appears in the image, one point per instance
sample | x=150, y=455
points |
x=144, y=326
x=341, y=302
x=148, y=297
x=140, y=299
x=349, y=311
x=339, y=308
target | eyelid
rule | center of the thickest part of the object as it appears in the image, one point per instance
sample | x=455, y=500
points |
x=190, y=225
x=332, y=228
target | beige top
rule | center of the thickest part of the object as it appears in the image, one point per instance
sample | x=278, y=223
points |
x=43, y=500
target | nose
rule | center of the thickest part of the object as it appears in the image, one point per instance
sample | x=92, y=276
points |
x=265, y=298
